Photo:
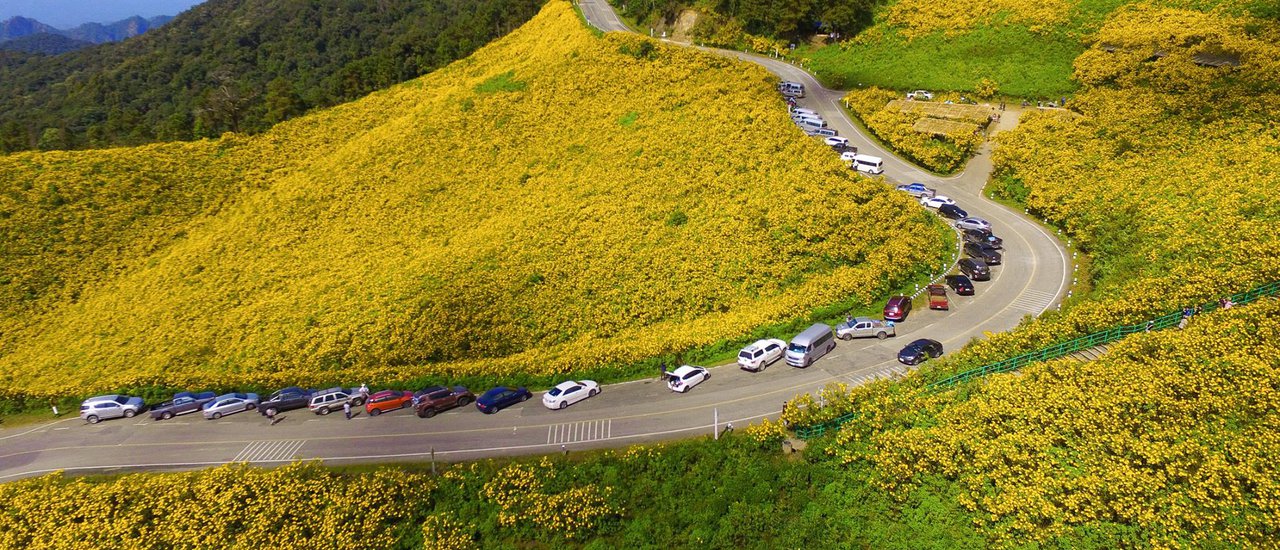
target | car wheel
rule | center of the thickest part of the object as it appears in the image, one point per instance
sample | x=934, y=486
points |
x=357, y=402
x=428, y=413
x=92, y=419
x=272, y=411
x=250, y=407
x=128, y=413
x=322, y=411
x=594, y=392
x=563, y=404
x=524, y=397
x=463, y=401
x=375, y=412
x=882, y=335
x=167, y=415
x=846, y=337
x=217, y=416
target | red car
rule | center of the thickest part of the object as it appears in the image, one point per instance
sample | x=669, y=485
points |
x=897, y=308
x=388, y=400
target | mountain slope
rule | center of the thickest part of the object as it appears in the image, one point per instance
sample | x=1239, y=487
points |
x=237, y=65
x=45, y=43
x=554, y=203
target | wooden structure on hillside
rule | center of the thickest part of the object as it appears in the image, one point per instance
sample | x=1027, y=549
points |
x=976, y=114
x=940, y=127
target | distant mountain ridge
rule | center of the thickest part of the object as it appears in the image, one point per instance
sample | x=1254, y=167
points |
x=17, y=28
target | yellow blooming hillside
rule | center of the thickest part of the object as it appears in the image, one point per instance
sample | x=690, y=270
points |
x=555, y=202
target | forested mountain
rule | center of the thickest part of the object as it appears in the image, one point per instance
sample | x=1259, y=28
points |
x=236, y=65
x=29, y=35
x=45, y=43
x=761, y=17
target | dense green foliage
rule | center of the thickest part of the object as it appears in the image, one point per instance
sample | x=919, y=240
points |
x=792, y=19
x=44, y=43
x=236, y=65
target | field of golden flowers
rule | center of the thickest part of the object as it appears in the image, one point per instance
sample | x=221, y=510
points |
x=557, y=202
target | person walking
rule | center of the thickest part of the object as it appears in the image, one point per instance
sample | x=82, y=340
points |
x=271, y=415
x=346, y=409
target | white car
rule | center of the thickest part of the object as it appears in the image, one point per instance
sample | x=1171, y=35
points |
x=974, y=223
x=568, y=393
x=761, y=354
x=836, y=141
x=685, y=377
x=920, y=95
x=936, y=201
x=848, y=156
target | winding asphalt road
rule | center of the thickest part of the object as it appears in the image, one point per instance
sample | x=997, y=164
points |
x=1034, y=277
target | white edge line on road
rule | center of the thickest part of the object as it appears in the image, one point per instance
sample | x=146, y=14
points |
x=368, y=457
x=44, y=426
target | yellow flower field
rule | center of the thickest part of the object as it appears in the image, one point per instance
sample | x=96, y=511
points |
x=556, y=202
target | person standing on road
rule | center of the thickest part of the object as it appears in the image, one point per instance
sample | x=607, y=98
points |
x=346, y=408
x=271, y=416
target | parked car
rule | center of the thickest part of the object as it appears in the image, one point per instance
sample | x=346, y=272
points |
x=836, y=141
x=953, y=212
x=960, y=284
x=500, y=398
x=388, y=400
x=920, y=351
x=229, y=403
x=439, y=398
x=897, y=308
x=917, y=190
x=983, y=252
x=974, y=269
x=182, y=403
x=686, y=377
x=761, y=354
x=937, y=297
x=333, y=399
x=865, y=327
x=983, y=236
x=973, y=223
x=568, y=393
x=920, y=95
x=936, y=201
x=285, y=399
x=104, y=407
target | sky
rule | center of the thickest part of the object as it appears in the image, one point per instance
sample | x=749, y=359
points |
x=65, y=14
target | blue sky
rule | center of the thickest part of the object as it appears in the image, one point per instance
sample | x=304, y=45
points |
x=69, y=13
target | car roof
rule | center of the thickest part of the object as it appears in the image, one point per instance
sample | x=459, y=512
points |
x=685, y=369
x=898, y=299
x=569, y=384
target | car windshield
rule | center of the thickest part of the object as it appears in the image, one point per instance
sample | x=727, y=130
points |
x=122, y=400
x=555, y=392
x=797, y=348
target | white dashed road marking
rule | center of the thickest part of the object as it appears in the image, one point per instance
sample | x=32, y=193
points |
x=273, y=451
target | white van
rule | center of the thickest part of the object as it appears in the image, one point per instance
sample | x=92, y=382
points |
x=868, y=164
x=807, y=112
x=791, y=89
x=810, y=345
x=824, y=132
x=812, y=123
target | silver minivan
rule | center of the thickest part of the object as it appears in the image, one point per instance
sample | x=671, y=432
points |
x=810, y=345
x=103, y=407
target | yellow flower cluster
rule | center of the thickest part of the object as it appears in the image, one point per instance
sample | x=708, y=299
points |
x=897, y=126
x=234, y=506
x=920, y=17
x=554, y=203
x=521, y=495
x=1173, y=433
x=443, y=531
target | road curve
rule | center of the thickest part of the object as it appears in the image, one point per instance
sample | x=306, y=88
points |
x=1034, y=278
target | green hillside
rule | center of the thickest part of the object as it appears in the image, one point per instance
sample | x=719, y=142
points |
x=554, y=203
x=236, y=66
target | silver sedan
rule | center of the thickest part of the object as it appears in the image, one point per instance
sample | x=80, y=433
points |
x=230, y=403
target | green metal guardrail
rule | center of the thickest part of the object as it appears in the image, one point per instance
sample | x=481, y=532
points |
x=1063, y=349
x=1055, y=351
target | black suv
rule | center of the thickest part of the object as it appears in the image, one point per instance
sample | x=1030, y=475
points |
x=286, y=399
x=983, y=252
x=960, y=284
x=952, y=212
x=982, y=236
x=976, y=270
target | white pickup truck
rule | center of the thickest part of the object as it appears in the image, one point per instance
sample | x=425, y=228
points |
x=865, y=327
